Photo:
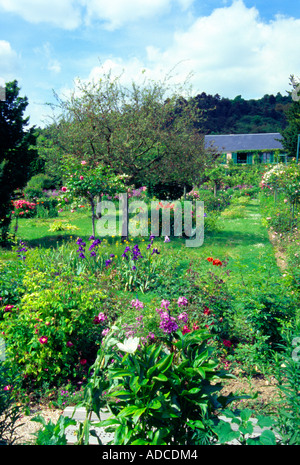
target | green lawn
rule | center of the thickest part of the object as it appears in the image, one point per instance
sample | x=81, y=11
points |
x=243, y=241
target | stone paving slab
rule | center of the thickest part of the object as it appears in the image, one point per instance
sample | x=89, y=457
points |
x=80, y=413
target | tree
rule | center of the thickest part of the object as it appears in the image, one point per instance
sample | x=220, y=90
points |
x=146, y=131
x=17, y=152
x=85, y=182
x=290, y=134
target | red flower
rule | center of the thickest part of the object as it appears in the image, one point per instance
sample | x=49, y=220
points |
x=83, y=361
x=8, y=308
x=185, y=330
x=209, y=259
x=195, y=327
x=43, y=340
x=206, y=311
x=227, y=343
x=217, y=262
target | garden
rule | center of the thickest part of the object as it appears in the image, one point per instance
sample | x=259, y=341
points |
x=171, y=340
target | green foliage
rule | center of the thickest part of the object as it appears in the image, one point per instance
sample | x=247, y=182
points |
x=36, y=185
x=159, y=397
x=53, y=333
x=10, y=414
x=241, y=116
x=52, y=434
x=16, y=151
x=11, y=279
x=287, y=374
x=244, y=433
x=62, y=226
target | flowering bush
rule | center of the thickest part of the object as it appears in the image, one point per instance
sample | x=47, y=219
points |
x=137, y=271
x=23, y=208
x=157, y=394
x=53, y=333
x=84, y=183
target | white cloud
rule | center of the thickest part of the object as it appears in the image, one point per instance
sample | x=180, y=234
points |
x=65, y=14
x=230, y=52
x=45, y=52
x=70, y=14
x=118, y=12
x=8, y=61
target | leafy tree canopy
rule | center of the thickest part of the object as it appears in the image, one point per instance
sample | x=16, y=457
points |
x=17, y=152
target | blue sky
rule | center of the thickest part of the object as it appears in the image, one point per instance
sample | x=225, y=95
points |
x=236, y=47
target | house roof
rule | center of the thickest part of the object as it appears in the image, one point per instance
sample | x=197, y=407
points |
x=244, y=142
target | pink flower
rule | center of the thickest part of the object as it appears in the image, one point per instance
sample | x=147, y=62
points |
x=185, y=330
x=83, y=361
x=81, y=178
x=183, y=317
x=100, y=318
x=69, y=344
x=83, y=162
x=43, y=340
x=105, y=332
x=165, y=303
x=8, y=308
x=64, y=189
x=182, y=302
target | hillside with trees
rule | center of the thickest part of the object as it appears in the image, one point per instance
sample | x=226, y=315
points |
x=240, y=116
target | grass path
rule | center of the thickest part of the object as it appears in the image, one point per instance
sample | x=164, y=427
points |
x=243, y=241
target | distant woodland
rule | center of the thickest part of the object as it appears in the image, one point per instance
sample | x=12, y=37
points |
x=240, y=116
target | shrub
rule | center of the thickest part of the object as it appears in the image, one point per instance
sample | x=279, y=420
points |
x=161, y=397
x=24, y=208
x=9, y=412
x=36, y=185
x=54, y=332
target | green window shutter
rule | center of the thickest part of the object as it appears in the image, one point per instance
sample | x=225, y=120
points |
x=234, y=157
x=249, y=158
x=271, y=157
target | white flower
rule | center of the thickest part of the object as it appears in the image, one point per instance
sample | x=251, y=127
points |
x=130, y=345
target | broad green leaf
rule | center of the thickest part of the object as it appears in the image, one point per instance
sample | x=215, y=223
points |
x=154, y=404
x=165, y=364
x=138, y=413
x=267, y=438
x=161, y=377
x=263, y=421
x=119, y=373
x=225, y=433
x=246, y=414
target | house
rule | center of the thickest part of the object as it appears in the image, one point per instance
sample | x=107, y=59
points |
x=247, y=148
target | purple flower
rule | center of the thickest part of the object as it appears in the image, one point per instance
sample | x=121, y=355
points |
x=93, y=253
x=168, y=323
x=100, y=318
x=182, y=302
x=81, y=255
x=183, y=317
x=155, y=251
x=137, y=303
x=107, y=262
x=165, y=303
